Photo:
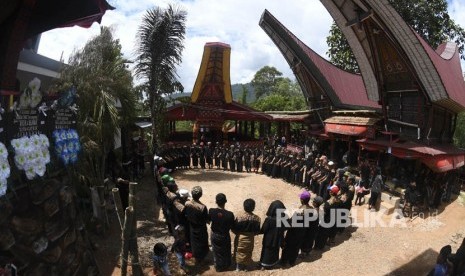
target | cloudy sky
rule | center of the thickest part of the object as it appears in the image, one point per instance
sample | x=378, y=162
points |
x=230, y=21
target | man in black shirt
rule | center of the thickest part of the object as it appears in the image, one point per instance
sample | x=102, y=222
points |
x=222, y=221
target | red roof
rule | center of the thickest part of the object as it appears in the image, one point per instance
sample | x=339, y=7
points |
x=349, y=87
x=231, y=111
x=446, y=59
x=342, y=87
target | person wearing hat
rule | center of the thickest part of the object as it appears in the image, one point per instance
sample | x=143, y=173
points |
x=312, y=229
x=246, y=227
x=197, y=215
x=295, y=234
x=222, y=221
x=273, y=236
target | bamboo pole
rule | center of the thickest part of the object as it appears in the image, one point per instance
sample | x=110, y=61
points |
x=133, y=247
x=118, y=206
x=128, y=224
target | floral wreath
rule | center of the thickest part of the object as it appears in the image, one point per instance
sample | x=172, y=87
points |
x=32, y=154
x=4, y=169
x=67, y=145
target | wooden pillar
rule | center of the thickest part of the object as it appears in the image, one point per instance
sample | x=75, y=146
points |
x=252, y=129
x=261, y=129
x=332, y=148
x=246, y=125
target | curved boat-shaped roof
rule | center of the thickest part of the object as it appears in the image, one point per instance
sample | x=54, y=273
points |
x=344, y=89
x=213, y=81
x=439, y=75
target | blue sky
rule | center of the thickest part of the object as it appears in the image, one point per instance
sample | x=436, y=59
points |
x=230, y=21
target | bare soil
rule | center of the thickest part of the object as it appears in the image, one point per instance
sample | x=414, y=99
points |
x=410, y=247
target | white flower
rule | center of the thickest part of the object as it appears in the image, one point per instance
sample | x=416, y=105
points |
x=4, y=169
x=34, y=85
x=35, y=99
x=20, y=160
x=44, y=140
x=24, y=100
x=39, y=169
x=3, y=151
x=30, y=171
x=3, y=187
x=45, y=156
x=35, y=140
x=16, y=143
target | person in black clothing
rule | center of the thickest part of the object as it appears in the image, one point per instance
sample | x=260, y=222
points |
x=273, y=236
x=312, y=230
x=197, y=215
x=246, y=227
x=295, y=234
x=222, y=221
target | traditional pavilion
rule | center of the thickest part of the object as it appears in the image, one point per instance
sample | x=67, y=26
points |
x=421, y=89
x=211, y=104
x=337, y=99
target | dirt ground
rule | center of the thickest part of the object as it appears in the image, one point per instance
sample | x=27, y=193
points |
x=409, y=247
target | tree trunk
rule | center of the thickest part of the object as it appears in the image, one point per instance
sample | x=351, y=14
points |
x=134, y=249
x=126, y=239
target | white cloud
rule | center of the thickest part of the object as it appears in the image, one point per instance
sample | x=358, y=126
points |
x=230, y=21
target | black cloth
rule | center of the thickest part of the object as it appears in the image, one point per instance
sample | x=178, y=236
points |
x=221, y=223
x=197, y=215
x=293, y=242
x=310, y=232
x=272, y=236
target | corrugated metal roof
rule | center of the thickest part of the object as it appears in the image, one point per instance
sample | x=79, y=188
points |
x=350, y=120
x=289, y=117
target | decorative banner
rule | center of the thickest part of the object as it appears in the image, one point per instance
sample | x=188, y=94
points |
x=25, y=122
x=65, y=119
x=4, y=169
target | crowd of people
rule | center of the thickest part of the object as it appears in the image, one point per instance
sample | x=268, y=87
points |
x=187, y=217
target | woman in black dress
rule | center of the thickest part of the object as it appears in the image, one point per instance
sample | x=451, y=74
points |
x=272, y=236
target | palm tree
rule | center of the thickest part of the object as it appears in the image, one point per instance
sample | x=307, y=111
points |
x=160, y=44
x=100, y=74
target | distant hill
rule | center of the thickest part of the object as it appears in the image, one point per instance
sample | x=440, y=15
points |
x=237, y=92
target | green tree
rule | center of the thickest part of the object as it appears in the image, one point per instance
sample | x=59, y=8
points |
x=264, y=81
x=244, y=94
x=429, y=18
x=100, y=74
x=160, y=45
x=286, y=95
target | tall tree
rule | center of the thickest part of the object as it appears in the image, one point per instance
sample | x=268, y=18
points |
x=100, y=74
x=244, y=94
x=429, y=18
x=160, y=45
x=285, y=95
x=264, y=80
